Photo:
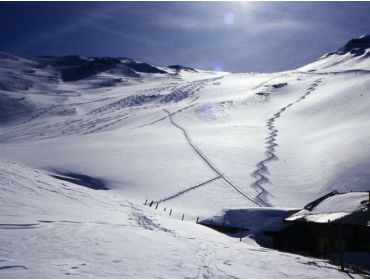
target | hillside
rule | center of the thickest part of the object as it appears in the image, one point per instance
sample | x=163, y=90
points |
x=85, y=141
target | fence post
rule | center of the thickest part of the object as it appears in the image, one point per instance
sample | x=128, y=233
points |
x=145, y=201
x=182, y=217
x=151, y=203
x=170, y=212
x=241, y=235
x=341, y=246
x=156, y=206
x=197, y=220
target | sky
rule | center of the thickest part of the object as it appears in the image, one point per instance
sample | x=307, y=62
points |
x=228, y=36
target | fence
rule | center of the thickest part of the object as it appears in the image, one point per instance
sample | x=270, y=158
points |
x=170, y=211
x=239, y=232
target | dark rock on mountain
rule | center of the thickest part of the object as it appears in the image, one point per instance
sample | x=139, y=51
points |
x=91, y=67
x=74, y=67
x=356, y=46
x=179, y=68
x=144, y=68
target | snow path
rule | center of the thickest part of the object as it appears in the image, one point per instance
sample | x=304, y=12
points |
x=208, y=162
x=269, y=80
x=96, y=129
x=189, y=189
x=47, y=108
x=262, y=170
x=42, y=112
x=166, y=116
x=178, y=93
x=108, y=115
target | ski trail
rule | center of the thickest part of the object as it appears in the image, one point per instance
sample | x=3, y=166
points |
x=188, y=189
x=261, y=172
x=268, y=80
x=108, y=115
x=106, y=125
x=166, y=116
x=208, y=162
x=55, y=107
x=42, y=112
x=179, y=93
x=206, y=263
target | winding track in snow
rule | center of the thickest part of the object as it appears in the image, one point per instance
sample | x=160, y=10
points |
x=220, y=175
x=208, y=162
x=262, y=171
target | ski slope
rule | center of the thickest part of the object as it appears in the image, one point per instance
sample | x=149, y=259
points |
x=85, y=141
x=62, y=230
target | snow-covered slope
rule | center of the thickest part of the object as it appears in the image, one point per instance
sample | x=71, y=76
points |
x=116, y=132
x=353, y=56
x=61, y=230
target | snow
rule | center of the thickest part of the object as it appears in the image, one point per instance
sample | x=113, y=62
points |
x=255, y=220
x=199, y=142
x=352, y=57
x=335, y=207
x=340, y=63
x=348, y=203
x=54, y=229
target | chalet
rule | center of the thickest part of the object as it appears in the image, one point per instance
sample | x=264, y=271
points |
x=335, y=226
x=335, y=223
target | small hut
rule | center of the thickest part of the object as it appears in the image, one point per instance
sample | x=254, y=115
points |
x=334, y=223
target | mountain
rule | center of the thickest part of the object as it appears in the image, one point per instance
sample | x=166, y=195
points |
x=356, y=46
x=353, y=56
x=85, y=141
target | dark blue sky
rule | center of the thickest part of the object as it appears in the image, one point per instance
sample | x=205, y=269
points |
x=234, y=36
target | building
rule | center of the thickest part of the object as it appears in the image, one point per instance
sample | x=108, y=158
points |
x=335, y=223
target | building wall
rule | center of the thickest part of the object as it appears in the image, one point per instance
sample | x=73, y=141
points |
x=321, y=239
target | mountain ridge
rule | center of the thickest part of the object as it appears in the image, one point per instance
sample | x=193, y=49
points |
x=76, y=67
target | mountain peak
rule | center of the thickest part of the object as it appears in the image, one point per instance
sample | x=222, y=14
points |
x=356, y=46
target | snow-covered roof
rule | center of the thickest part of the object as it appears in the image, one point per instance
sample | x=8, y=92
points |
x=349, y=208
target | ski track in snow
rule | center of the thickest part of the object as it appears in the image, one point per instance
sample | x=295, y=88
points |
x=54, y=106
x=208, y=162
x=180, y=93
x=205, y=267
x=42, y=112
x=202, y=156
x=188, y=189
x=261, y=173
x=107, y=115
x=12, y=267
x=166, y=116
